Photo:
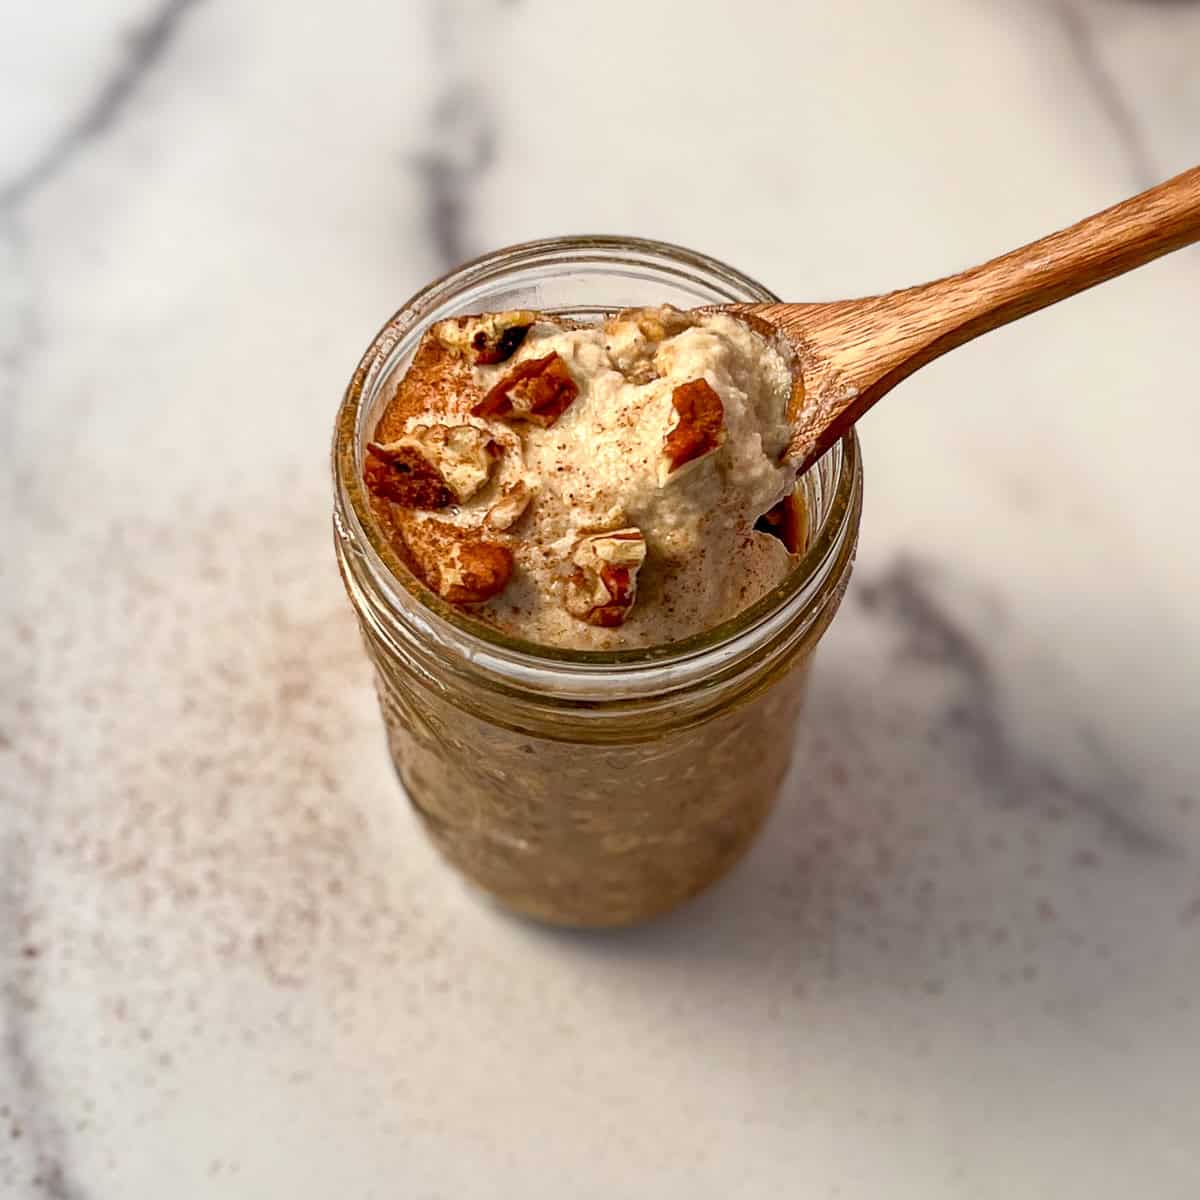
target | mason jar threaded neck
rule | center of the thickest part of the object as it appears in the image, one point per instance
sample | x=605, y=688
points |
x=586, y=278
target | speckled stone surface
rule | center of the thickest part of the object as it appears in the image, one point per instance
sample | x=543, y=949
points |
x=963, y=961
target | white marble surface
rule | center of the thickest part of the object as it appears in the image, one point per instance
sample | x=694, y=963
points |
x=964, y=961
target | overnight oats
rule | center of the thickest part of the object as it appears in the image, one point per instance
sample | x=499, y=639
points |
x=588, y=580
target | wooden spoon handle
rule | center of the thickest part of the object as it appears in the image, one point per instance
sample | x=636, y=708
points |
x=863, y=348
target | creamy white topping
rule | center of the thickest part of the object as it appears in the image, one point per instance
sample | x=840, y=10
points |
x=601, y=466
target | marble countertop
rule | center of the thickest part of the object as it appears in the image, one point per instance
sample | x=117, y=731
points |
x=965, y=958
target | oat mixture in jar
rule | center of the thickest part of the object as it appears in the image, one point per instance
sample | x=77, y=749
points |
x=585, y=581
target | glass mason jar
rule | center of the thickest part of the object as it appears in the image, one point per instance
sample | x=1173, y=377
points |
x=584, y=787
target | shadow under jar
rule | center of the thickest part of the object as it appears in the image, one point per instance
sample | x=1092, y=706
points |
x=584, y=787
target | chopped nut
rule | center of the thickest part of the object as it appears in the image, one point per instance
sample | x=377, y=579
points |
x=603, y=587
x=459, y=457
x=537, y=390
x=474, y=572
x=458, y=563
x=501, y=348
x=658, y=324
x=699, y=429
x=652, y=328
x=782, y=520
x=510, y=507
x=405, y=476
x=491, y=338
x=643, y=371
x=654, y=324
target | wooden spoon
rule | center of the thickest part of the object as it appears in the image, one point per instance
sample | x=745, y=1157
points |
x=851, y=352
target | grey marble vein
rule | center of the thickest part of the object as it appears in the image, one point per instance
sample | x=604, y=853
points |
x=1076, y=25
x=906, y=596
x=460, y=148
x=28, y=496
x=16, y=322
x=146, y=47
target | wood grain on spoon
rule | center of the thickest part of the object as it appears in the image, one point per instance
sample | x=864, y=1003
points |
x=852, y=352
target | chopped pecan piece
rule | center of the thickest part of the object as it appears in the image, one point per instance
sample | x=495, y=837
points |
x=474, y=571
x=433, y=465
x=510, y=507
x=654, y=324
x=643, y=371
x=489, y=351
x=489, y=339
x=658, y=324
x=603, y=587
x=699, y=429
x=460, y=564
x=405, y=476
x=537, y=390
x=782, y=520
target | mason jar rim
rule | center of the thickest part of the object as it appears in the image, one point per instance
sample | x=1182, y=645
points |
x=506, y=656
